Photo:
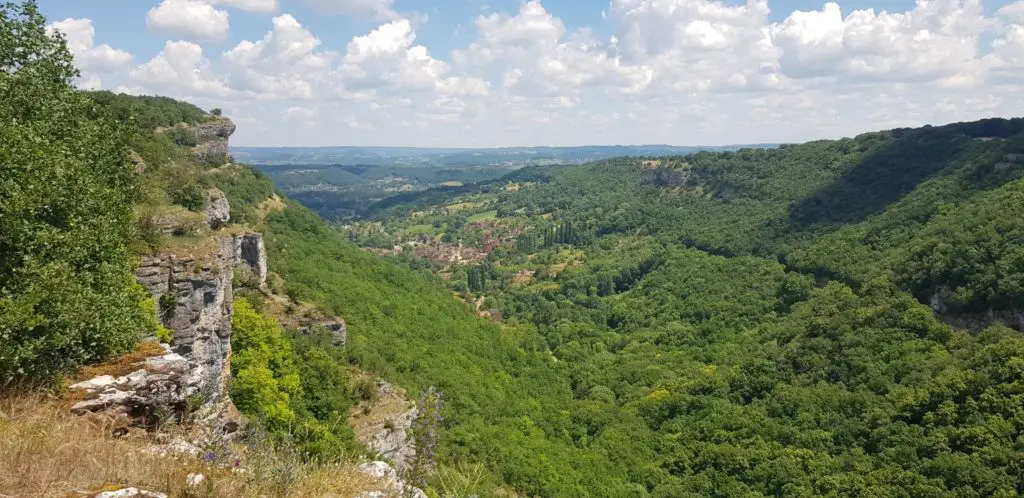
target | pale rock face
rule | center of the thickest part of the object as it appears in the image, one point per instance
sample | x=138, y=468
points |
x=160, y=381
x=130, y=493
x=388, y=476
x=217, y=209
x=196, y=303
x=251, y=251
x=212, y=137
x=396, y=443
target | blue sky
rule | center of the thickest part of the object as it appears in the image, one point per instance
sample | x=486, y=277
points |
x=556, y=72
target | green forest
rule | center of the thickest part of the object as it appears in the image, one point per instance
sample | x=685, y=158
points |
x=761, y=322
x=836, y=318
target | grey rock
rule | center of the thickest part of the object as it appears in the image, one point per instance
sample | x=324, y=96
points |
x=389, y=477
x=393, y=440
x=217, y=209
x=250, y=251
x=130, y=493
x=193, y=480
x=333, y=325
x=161, y=382
x=338, y=330
x=196, y=303
x=212, y=137
x=940, y=300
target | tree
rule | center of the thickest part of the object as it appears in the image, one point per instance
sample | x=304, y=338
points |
x=67, y=295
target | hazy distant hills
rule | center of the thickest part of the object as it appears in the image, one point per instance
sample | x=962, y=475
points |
x=504, y=156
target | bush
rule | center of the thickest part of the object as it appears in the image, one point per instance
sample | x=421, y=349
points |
x=298, y=392
x=192, y=196
x=183, y=136
x=367, y=389
x=216, y=111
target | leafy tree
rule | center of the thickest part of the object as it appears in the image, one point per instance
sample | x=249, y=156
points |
x=67, y=294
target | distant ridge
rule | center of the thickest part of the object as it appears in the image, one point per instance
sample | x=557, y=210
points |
x=430, y=156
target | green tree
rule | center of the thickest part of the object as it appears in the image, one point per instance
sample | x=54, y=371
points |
x=67, y=295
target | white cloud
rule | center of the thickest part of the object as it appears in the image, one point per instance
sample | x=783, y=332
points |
x=937, y=39
x=1013, y=11
x=388, y=60
x=179, y=70
x=537, y=59
x=284, y=64
x=91, y=60
x=668, y=71
x=260, y=6
x=381, y=9
x=190, y=19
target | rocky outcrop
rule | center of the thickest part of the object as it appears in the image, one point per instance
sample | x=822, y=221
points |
x=217, y=210
x=250, y=251
x=387, y=429
x=394, y=485
x=212, y=140
x=942, y=300
x=159, y=386
x=194, y=296
x=332, y=325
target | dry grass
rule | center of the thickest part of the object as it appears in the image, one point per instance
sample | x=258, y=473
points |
x=47, y=452
x=122, y=365
x=269, y=205
x=369, y=417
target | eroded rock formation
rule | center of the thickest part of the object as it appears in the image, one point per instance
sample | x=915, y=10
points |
x=212, y=140
x=217, y=210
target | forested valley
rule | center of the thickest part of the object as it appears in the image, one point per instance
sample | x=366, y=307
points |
x=835, y=318
x=831, y=318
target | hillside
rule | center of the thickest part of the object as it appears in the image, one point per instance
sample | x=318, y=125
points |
x=834, y=318
x=819, y=319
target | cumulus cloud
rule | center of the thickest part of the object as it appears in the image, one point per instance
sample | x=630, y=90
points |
x=190, y=19
x=286, y=63
x=938, y=38
x=261, y=6
x=382, y=9
x=667, y=71
x=92, y=60
x=179, y=70
x=538, y=58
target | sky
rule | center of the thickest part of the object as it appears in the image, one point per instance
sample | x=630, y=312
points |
x=492, y=73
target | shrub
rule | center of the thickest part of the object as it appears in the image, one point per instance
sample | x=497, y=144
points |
x=367, y=389
x=183, y=136
x=191, y=195
x=216, y=111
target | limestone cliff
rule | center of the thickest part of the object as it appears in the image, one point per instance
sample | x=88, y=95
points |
x=212, y=139
x=195, y=296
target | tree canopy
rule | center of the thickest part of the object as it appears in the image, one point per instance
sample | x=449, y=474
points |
x=67, y=294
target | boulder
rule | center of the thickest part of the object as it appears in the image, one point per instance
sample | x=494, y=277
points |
x=130, y=493
x=217, y=209
x=389, y=477
x=251, y=252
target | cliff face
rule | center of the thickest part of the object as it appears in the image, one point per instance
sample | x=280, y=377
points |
x=195, y=295
x=212, y=139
